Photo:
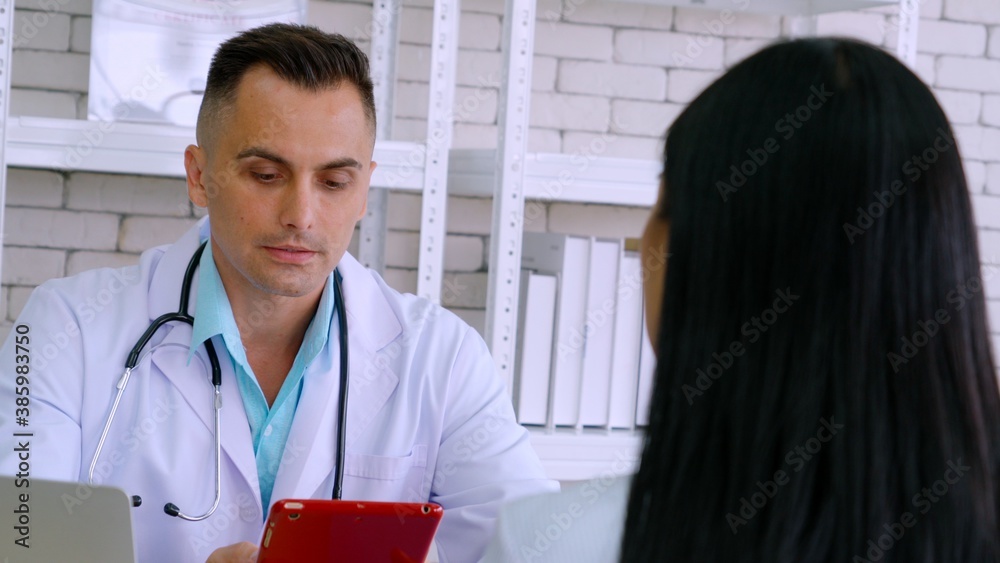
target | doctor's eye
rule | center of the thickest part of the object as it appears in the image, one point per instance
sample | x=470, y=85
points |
x=264, y=177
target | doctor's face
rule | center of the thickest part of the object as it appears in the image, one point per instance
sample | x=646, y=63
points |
x=285, y=179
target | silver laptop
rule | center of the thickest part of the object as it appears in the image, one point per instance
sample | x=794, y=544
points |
x=46, y=521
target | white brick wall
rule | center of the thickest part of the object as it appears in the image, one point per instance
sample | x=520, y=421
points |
x=34, y=188
x=613, y=80
x=736, y=49
x=993, y=180
x=977, y=142
x=18, y=297
x=83, y=260
x=867, y=26
x=615, y=14
x=31, y=266
x=618, y=72
x=951, y=38
x=668, y=49
x=926, y=68
x=975, y=175
x=51, y=70
x=717, y=22
x=643, y=118
x=140, y=233
x=596, y=220
x=39, y=102
x=80, y=35
x=613, y=145
x=127, y=194
x=573, y=41
x=959, y=106
x=991, y=110
x=685, y=84
x=982, y=11
x=60, y=229
x=41, y=30
x=965, y=73
x=570, y=112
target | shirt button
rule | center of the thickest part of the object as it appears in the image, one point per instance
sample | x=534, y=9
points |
x=268, y=430
x=249, y=515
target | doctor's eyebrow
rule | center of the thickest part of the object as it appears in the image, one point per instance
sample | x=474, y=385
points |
x=345, y=162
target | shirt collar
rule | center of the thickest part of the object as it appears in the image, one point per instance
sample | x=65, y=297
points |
x=213, y=315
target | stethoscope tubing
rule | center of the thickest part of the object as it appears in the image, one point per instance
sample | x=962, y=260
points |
x=182, y=315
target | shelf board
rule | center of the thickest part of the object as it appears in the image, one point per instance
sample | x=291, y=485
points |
x=157, y=150
x=571, y=455
x=560, y=177
x=773, y=7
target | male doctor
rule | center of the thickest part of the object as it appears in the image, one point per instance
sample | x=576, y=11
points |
x=283, y=163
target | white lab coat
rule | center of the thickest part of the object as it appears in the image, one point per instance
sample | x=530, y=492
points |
x=428, y=417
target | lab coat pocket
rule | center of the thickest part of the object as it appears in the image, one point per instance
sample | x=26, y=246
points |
x=385, y=468
x=386, y=478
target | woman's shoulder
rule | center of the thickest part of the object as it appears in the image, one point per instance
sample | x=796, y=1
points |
x=581, y=523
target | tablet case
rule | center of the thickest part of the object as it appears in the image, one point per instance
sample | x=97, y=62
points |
x=301, y=531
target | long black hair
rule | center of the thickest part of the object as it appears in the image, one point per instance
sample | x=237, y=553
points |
x=825, y=389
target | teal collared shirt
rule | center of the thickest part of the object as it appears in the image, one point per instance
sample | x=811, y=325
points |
x=269, y=426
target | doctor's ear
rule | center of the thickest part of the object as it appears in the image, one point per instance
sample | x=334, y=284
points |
x=195, y=162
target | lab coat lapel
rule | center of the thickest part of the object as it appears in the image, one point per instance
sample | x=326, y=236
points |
x=372, y=325
x=165, y=287
x=193, y=382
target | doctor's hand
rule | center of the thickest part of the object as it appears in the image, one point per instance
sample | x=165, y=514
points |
x=243, y=552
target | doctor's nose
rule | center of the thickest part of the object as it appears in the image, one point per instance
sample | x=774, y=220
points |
x=297, y=209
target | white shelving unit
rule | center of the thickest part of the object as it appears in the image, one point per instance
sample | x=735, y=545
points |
x=432, y=177
x=514, y=175
x=157, y=150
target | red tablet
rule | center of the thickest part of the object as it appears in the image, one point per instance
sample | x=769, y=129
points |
x=300, y=531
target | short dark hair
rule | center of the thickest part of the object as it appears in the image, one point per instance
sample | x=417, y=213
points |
x=796, y=174
x=303, y=55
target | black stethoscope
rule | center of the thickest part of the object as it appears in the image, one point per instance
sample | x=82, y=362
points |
x=183, y=316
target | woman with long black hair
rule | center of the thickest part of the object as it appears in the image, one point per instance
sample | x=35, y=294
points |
x=825, y=389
